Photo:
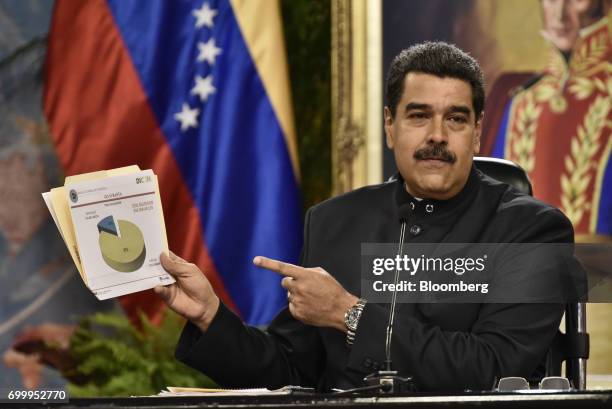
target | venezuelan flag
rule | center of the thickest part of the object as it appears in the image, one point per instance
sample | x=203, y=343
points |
x=197, y=91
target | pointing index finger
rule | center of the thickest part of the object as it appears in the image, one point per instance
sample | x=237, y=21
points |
x=286, y=269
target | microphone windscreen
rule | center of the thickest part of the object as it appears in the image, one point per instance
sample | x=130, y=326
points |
x=404, y=212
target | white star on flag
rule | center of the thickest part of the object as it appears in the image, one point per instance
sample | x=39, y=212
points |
x=204, y=16
x=203, y=87
x=188, y=117
x=208, y=51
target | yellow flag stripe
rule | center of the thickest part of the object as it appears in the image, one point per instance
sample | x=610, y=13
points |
x=261, y=27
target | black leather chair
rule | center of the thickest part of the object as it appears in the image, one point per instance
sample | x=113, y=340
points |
x=571, y=347
x=505, y=171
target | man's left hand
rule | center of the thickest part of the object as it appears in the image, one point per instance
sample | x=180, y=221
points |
x=315, y=297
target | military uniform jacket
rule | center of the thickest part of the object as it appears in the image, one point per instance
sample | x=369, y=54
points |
x=443, y=346
x=558, y=129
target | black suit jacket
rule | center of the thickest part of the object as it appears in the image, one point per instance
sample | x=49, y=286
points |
x=443, y=346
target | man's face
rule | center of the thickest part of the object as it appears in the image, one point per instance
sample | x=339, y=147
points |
x=563, y=20
x=434, y=135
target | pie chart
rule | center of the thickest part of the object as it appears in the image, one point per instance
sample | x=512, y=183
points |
x=122, y=244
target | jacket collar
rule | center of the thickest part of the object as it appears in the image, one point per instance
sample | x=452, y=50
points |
x=409, y=205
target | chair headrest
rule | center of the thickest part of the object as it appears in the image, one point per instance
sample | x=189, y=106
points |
x=505, y=171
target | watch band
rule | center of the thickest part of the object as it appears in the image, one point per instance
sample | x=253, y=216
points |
x=351, y=320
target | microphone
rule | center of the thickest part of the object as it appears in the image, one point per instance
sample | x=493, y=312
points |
x=389, y=380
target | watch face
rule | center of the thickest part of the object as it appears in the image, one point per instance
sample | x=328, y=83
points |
x=351, y=318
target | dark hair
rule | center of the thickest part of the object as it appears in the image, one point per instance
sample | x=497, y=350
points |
x=436, y=58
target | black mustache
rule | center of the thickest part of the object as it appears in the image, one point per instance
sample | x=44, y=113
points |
x=436, y=151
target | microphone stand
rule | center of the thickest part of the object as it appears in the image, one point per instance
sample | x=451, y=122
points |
x=388, y=380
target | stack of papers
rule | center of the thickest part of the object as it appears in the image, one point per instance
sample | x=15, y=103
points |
x=113, y=225
x=179, y=391
x=285, y=390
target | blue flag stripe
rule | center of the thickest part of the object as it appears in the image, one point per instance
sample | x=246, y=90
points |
x=235, y=161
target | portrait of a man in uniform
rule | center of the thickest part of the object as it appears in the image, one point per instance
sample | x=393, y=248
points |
x=557, y=124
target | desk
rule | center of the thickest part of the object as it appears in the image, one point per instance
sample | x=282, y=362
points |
x=576, y=399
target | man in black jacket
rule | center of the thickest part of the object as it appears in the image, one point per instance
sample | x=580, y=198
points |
x=328, y=337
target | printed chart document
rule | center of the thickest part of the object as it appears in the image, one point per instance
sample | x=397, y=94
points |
x=112, y=223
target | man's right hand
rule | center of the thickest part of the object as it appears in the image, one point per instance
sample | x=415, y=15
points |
x=191, y=295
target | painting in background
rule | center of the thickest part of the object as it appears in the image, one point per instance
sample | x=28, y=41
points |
x=41, y=294
x=556, y=122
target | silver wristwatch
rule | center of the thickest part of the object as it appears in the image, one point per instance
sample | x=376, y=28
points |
x=351, y=319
